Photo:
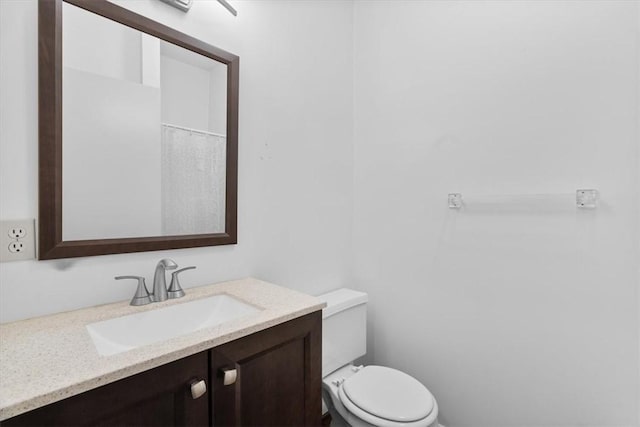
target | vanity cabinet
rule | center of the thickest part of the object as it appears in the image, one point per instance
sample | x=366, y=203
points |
x=158, y=397
x=278, y=376
x=277, y=383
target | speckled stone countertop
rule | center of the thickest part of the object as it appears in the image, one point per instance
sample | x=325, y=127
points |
x=49, y=358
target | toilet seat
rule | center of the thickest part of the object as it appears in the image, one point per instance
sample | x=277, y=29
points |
x=387, y=397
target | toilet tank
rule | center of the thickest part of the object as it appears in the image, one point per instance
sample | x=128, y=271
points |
x=344, y=328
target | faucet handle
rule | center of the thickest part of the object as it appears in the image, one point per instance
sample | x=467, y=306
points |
x=175, y=290
x=168, y=264
x=142, y=296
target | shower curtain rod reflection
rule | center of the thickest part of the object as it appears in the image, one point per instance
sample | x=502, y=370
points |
x=204, y=132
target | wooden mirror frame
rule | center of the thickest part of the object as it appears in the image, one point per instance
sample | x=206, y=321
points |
x=51, y=245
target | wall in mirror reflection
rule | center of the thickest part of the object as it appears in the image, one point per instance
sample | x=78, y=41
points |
x=144, y=133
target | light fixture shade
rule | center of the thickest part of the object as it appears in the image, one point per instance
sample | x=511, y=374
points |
x=230, y=8
x=183, y=5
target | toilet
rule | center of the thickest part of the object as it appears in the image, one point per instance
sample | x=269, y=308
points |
x=365, y=395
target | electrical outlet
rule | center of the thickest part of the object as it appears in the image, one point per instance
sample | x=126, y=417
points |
x=17, y=240
x=17, y=232
x=16, y=247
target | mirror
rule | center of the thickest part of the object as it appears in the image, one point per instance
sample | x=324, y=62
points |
x=138, y=134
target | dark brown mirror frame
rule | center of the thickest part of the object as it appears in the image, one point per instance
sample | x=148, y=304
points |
x=51, y=245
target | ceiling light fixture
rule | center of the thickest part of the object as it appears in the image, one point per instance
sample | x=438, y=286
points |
x=227, y=6
x=185, y=5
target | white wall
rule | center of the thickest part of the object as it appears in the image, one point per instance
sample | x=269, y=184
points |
x=194, y=90
x=96, y=45
x=294, y=206
x=185, y=94
x=111, y=157
x=513, y=312
x=218, y=99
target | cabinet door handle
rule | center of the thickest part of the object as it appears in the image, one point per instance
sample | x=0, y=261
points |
x=229, y=376
x=198, y=388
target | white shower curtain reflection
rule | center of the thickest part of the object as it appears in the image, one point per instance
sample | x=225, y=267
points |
x=193, y=181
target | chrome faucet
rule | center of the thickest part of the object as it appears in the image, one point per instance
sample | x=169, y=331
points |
x=159, y=279
x=160, y=291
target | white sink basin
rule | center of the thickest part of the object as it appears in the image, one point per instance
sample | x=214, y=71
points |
x=135, y=330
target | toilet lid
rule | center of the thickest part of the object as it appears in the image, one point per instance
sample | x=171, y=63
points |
x=388, y=393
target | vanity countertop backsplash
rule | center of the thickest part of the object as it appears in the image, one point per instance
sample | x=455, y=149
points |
x=50, y=358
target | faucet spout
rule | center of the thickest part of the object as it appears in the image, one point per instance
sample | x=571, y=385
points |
x=159, y=279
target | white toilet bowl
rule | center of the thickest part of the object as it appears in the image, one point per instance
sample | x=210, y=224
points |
x=372, y=395
x=379, y=396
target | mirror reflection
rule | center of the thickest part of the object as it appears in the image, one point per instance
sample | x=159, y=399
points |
x=144, y=134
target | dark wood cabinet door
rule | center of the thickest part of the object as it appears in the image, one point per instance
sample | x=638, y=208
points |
x=158, y=397
x=278, y=379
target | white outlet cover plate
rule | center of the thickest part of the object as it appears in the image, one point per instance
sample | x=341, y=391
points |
x=28, y=241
